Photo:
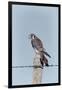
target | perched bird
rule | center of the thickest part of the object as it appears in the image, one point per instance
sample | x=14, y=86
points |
x=37, y=44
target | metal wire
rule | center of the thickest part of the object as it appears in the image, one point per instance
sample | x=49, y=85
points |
x=34, y=66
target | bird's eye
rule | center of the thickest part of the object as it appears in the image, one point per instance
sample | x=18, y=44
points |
x=34, y=36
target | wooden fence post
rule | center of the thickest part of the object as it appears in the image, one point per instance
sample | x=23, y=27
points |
x=37, y=72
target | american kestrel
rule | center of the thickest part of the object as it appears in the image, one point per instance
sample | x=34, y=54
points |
x=37, y=44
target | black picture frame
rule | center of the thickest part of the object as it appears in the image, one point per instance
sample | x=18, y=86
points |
x=10, y=3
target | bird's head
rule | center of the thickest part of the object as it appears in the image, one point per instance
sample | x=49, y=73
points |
x=32, y=36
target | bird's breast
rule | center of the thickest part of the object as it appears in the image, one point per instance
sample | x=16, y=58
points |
x=36, y=51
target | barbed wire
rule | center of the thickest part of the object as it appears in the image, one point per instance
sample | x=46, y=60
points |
x=34, y=66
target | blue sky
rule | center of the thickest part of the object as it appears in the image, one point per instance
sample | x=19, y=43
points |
x=42, y=21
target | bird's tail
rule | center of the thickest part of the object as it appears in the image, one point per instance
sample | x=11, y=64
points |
x=44, y=61
x=46, y=54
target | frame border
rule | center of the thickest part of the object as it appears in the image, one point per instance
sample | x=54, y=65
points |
x=10, y=3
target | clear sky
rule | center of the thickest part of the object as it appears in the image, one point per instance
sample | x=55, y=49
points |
x=42, y=21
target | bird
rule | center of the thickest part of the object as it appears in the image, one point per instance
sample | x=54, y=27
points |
x=38, y=46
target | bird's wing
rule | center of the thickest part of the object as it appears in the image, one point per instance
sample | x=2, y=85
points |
x=46, y=54
x=46, y=61
x=36, y=43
